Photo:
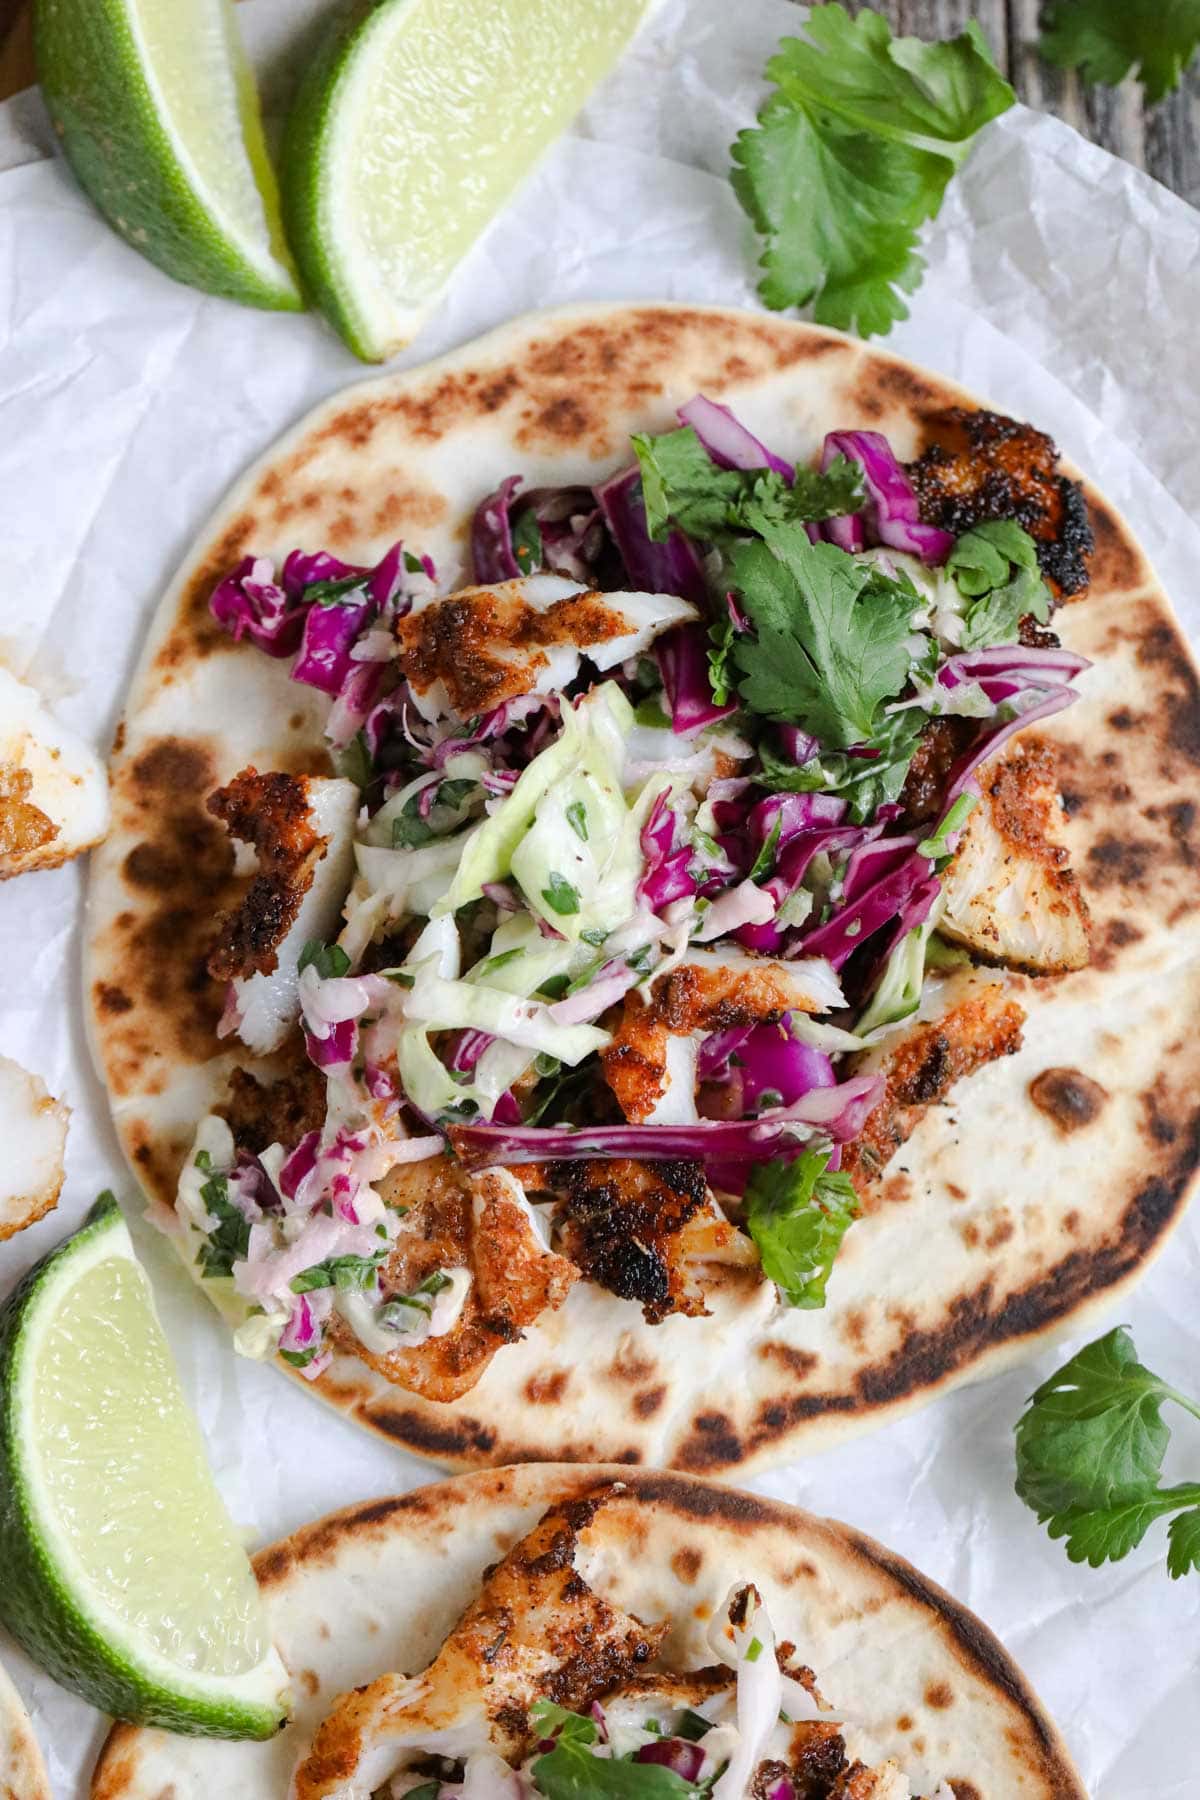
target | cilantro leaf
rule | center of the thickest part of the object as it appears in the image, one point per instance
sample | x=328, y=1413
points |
x=329, y=960
x=798, y=1213
x=865, y=783
x=229, y=1241
x=1103, y=1534
x=1090, y=1451
x=348, y=1273
x=571, y=1772
x=852, y=155
x=995, y=564
x=566, y=1727
x=832, y=636
x=560, y=896
x=1103, y=39
x=1094, y=1431
x=1183, y=1543
x=682, y=486
x=528, y=552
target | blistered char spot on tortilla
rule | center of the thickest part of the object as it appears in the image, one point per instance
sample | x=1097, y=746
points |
x=687, y=1563
x=450, y=1439
x=1162, y=1121
x=629, y=1367
x=1071, y=1099
x=712, y=1444
x=1162, y=648
x=547, y=1387
x=939, y=1695
x=111, y=999
x=800, y=1363
x=1121, y=862
x=1117, y=562
x=649, y=1401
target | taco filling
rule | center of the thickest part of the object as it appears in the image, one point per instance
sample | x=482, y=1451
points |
x=545, y=1688
x=665, y=877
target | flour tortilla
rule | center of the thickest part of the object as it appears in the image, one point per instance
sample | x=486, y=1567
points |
x=378, y=1587
x=22, y=1772
x=998, y=1226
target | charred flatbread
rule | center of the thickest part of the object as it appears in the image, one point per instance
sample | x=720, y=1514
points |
x=423, y=1631
x=1032, y=1136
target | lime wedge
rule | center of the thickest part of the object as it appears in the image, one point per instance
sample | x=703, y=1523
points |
x=156, y=108
x=412, y=127
x=122, y=1573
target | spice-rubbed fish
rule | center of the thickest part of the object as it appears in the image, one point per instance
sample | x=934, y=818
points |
x=1010, y=896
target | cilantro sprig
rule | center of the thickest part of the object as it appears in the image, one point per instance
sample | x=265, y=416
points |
x=798, y=1213
x=569, y=1771
x=1104, y=39
x=1090, y=1450
x=683, y=487
x=832, y=642
x=852, y=154
x=995, y=566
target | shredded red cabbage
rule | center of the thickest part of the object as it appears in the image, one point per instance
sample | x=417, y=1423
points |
x=677, y=1754
x=568, y=520
x=728, y=441
x=891, y=515
x=248, y=602
x=672, y=567
x=839, y=1113
x=682, y=657
x=668, y=875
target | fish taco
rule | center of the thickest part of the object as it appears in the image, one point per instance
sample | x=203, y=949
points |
x=564, y=1631
x=650, y=912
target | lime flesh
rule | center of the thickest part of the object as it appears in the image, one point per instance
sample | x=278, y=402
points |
x=124, y=1576
x=155, y=106
x=412, y=128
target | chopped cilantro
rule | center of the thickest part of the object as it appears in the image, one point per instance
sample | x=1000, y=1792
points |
x=328, y=593
x=560, y=896
x=500, y=959
x=577, y=819
x=764, y=862
x=347, y=1273
x=229, y=1241
x=329, y=960
x=527, y=541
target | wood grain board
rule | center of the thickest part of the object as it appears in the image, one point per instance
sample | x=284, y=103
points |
x=1164, y=139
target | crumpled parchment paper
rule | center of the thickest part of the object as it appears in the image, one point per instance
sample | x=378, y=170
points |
x=1063, y=285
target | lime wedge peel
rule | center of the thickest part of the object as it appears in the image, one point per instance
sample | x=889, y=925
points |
x=413, y=125
x=122, y=1573
x=156, y=109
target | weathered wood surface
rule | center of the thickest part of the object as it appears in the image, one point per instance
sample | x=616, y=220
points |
x=1164, y=139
